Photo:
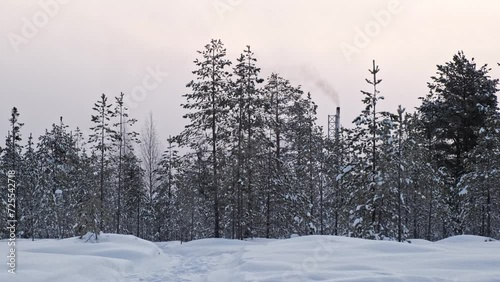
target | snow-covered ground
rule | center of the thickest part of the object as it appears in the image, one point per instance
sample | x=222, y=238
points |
x=311, y=258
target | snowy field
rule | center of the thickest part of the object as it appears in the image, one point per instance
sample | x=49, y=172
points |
x=311, y=258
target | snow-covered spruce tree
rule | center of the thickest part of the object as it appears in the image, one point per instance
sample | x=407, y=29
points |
x=279, y=97
x=134, y=195
x=354, y=180
x=423, y=182
x=396, y=168
x=58, y=159
x=87, y=202
x=194, y=191
x=120, y=136
x=324, y=221
x=31, y=193
x=337, y=166
x=305, y=139
x=367, y=213
x=478, y=185
x=167, y=225
x=47, y=182
x=247, y=114
x=11, y=161
x=193, y=180
x=208, y=106
x=385, y=192
x=102, y=133
x=391, y=190
x=194, y=199
x=460, y=100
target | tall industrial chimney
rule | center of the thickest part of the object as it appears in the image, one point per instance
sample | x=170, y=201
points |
x=334, y=125
x=337, y=123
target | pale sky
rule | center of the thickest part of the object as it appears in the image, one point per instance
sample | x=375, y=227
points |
x=82, y=48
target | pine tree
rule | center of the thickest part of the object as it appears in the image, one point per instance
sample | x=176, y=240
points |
x=30, y=197
x=397, y=167
x=11, y=161
x=87, y=199
x=368, y=135
x=209, y=101
x=58, y=158
x=134, y=196
x=120, y=136
x=478, y=184
x=167, y=193
x=280, y=96
x=247, y=109
x=193, y=200
x=339, y=161
x=461, y=98
x=303, y=137
x=101, y=138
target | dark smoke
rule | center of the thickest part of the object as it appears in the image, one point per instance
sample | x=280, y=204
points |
x=312, y=76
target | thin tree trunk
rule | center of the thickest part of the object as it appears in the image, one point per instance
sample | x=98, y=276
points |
x=249, y=174
x=214, y=155
x=374, y=151
x=239, y=191
x=488, y=212
x=310, y=176
x=138, y=218
x=101, y=223
x=400, y=156
x=268, y=193
x=321, y=191
x=118, y=210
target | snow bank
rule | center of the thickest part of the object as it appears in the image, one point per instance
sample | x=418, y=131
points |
x=60, y=260
x=309, y=258
x=329, y=258
x=113, y=246
x=465, y=239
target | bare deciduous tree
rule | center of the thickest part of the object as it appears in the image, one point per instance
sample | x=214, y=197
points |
x=150, y=150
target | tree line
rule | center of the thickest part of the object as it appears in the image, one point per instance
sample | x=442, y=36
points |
x=255, y=163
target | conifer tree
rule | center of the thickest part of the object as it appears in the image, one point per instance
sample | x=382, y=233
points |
x=247, y=109
x=134, y=194
x=13, y=148
x=461, y=99
x=120, y=136
x=12, y=161
x=58, y=158
x=167, y=193
x=369, y=130
x=209, y=104
x=100, y=140
x=478, y=185
x=280, y=96
x=87, y=198
x=30, y=197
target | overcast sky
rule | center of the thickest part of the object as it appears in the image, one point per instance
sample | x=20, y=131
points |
x=56, y=60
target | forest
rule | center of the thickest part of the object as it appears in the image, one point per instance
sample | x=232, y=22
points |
x=253, y=162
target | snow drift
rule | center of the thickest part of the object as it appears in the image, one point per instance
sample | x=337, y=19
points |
x=310, y=258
